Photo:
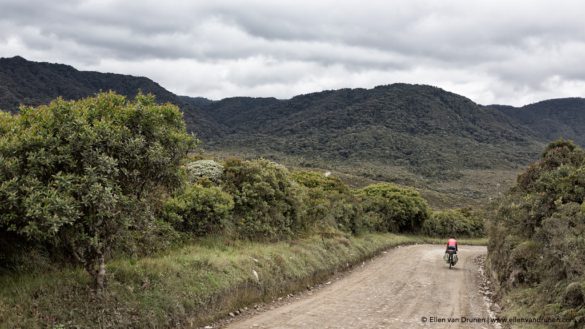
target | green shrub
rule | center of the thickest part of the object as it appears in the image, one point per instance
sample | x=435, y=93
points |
x=329, y=203
x=574, y=295
x=267, y=203
x=392, y=208
x=522, y=263
x=204, y=169
x=327, y=183
x=78, y=174
x=200, y=210
x=455, y=222
x=562, y=237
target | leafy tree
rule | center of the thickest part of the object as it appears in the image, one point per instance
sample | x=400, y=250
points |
x=313, y=179
x=329, y=202
x=267, y=203
x=390, y=208
x=454, y=222
x=200, y=210
x=76, y=174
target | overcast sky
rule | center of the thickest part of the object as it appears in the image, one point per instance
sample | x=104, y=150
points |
x=506, y=52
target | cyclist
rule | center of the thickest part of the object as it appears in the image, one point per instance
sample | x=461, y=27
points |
x=451, y=244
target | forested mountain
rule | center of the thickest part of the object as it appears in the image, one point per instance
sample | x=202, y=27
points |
x=552, y=119
x=429, y=130
x=400, y=132
x=33, y=83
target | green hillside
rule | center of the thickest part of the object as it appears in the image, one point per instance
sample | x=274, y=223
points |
x=24, y=82
x=552, y=119
x=428, y=131
x=456, y=151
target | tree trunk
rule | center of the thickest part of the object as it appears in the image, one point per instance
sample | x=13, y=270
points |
x=100, y=277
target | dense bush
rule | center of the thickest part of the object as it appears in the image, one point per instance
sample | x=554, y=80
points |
x=267, y=203
x=329, y=203
x=78, y=174
x=455, y=222
x=204, y=169
x=312, y=179
x=390, y=208
x=200, y=210
x=537, y=235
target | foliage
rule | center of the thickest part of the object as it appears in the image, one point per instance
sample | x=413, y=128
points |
x=390, y=208
x=204, y=169
x=77, y=174
x=551, y=118
x=186, y=287
x=200, y=210
x=33, y=84
x=267, y=203
x=413, y=135
x=454, y=222
x=399, y=125
x=327, y=183
x=329, y=202
x=537, y=236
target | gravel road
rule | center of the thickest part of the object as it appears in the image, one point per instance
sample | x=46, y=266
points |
x=406, y=287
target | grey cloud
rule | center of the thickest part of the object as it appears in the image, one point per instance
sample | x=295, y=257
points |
x=259, y=45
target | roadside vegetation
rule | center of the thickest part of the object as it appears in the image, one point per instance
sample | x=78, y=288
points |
x=107, y=221
x=454, y=222
x=188, y=286
x=537, y=239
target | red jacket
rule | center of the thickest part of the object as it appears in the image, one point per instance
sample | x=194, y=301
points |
x=452, y=243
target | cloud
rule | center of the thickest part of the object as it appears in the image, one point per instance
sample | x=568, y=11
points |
x=490, y=51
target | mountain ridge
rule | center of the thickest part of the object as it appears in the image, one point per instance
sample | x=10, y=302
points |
x=411, y=134
x=29, y=83
x=552, y=118
x=398, y=114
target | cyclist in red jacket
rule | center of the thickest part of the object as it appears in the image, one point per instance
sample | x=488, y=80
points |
x=451, y=244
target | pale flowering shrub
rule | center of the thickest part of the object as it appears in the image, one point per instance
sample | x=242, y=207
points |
x=201, y=169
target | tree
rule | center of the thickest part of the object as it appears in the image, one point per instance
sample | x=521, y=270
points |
x=76, y=174
x=393, y=208
x=454, y=222
x=536, y=234
x=267, y=203
x=200, y=210
x=329, y=202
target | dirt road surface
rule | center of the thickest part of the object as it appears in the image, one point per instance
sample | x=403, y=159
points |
x=407, y=287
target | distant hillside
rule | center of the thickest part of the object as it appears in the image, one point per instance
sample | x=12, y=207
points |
x=35, y=83
x=426, y=129
x=411, y=134
x=24, y=82
x=552, y=119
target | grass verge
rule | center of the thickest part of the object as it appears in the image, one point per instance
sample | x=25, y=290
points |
x=187, y=287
